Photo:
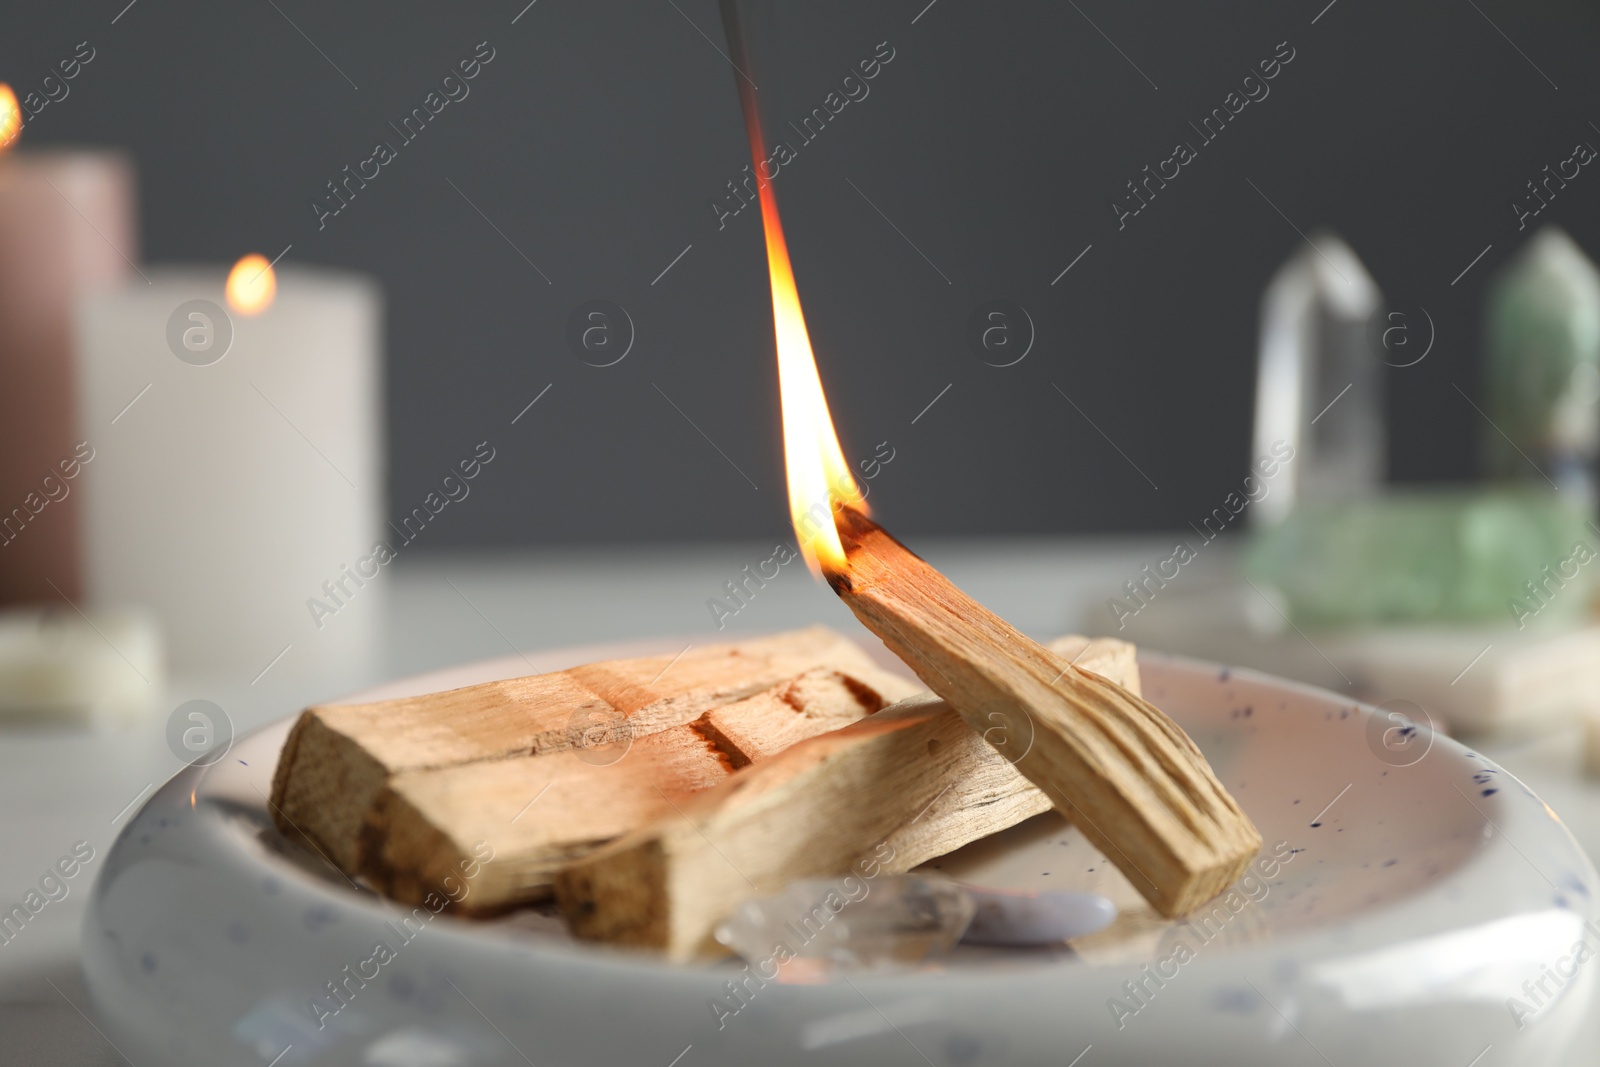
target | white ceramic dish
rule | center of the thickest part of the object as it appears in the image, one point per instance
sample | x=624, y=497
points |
x=1423, y=898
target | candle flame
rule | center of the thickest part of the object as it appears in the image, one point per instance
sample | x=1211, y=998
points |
x=251, y=285
x=819, y=478
x=10, y=116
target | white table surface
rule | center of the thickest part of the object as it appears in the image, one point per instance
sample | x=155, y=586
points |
x=60, y=787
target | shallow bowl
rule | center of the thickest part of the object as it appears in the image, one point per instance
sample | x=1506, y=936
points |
x=1414, y=904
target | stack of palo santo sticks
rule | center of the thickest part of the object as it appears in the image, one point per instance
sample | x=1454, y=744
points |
x=652, y=796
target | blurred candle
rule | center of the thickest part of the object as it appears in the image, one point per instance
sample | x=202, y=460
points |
x=104, y=668
x=242, y=466
x=66, y=227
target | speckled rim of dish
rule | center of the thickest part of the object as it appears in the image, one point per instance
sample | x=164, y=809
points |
x=203, y=944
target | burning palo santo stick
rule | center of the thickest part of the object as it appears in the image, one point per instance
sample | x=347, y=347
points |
x=1123, y=772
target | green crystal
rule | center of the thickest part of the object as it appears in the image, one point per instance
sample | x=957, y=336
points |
x=1433, y=555
x=1543, y=371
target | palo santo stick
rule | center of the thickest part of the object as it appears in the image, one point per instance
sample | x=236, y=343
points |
x=903, y=786
x=538, y=812
x=1108, y=657
x=1124, y=773
x=338, y=757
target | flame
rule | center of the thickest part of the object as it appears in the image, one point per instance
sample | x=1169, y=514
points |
x=251, y=285
x=10, y=116
x=819, y=478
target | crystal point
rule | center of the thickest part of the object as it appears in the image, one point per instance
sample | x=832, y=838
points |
x=1317, y=378
x=1543, y=373
x=1023, y=918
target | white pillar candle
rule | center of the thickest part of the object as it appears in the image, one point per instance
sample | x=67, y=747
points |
x=238, y=464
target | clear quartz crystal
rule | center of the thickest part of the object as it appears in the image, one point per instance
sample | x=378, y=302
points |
x=1318, y=384
x=852, y=922
x=1014, y=917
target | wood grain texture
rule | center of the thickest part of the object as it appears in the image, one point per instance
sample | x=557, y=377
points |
x=339, y=757
x=1120, y=769
x=903, y=786
x=1113, y=659
x=539, y=812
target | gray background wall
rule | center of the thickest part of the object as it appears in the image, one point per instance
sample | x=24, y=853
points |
x=995, y=142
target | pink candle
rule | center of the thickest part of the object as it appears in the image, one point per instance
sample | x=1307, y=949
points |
x=67, y=226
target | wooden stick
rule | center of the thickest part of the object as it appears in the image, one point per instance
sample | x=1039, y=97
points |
x=538, y=812
x=1123, y=772
x=1112, y=659
x=338, y=758
x=903, y=786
